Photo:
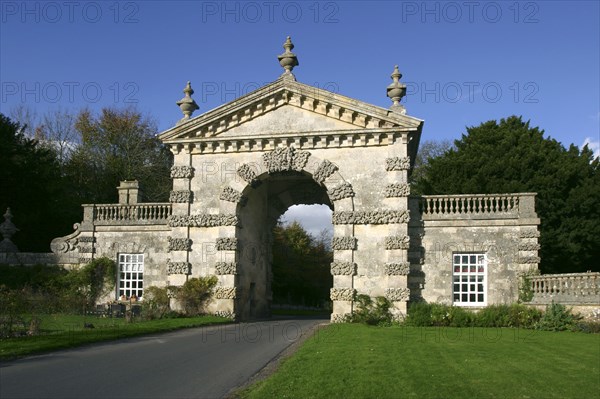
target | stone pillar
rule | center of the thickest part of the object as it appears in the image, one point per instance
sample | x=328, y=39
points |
x=129, y=192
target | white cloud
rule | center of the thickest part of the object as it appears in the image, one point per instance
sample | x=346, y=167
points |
x=314, y=218
x=592, y=145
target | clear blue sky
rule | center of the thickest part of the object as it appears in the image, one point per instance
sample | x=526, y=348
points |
x=463, y=62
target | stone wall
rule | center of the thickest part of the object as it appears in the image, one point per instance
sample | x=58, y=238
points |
x=502, y=227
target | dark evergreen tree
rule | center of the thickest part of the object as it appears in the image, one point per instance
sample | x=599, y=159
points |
x=31, y=184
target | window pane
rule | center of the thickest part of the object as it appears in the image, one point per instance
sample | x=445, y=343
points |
x=469, y=278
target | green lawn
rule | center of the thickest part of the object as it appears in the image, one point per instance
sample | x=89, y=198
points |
x=358, y=361
x=66, y=331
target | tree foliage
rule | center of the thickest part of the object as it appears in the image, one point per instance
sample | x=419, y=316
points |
x=428, y=149
x=301, y=266
x=510, y=156
x=194, y=293
x=50, y=167
x=119, y=144
x=31, y=184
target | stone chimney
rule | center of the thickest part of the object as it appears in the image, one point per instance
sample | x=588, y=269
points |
x=129, y=192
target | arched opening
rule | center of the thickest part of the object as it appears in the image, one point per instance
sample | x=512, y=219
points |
x=266, y=201
x=302, y=256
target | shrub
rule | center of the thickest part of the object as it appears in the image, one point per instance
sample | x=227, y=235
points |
x=493, y=316
x=156, y=302
x=194, y=293
x=459, y=317
x=372, y=312
x=419, y=314
x=525, y=290
x=557, y=318
x=590, y=327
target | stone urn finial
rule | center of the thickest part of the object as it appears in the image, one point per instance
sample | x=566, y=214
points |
x=8, y=229
x=187, y=103
x=288, y=60
x=396, y=91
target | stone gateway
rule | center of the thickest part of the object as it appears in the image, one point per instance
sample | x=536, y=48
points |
x=239, y=167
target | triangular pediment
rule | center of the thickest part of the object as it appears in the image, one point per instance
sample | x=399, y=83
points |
x=287, y=107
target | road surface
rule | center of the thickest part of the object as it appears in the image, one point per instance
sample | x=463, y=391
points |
x=204, y=362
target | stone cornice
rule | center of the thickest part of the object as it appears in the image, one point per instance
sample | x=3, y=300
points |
x=286, y=92
x=306, y=141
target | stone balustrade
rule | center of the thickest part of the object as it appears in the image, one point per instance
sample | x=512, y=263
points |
x=477, y=206
x=571, y=288
x=127, y=214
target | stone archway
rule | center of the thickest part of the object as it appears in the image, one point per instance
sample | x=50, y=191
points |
x=291, y=177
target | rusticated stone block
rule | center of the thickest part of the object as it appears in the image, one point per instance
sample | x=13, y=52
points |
x=342, y=294
x=225, y=313
x=203, y=220
x=397, y=294
x=397, y=163
x=179, y=244
x=341, y=191
x=223, y=268
x=397, y=242
x=181, y=196
x=370, y=217
x=341, y=317
x=341, y=243
x=529, y=246
x=343, y=268
x=396, y=190
x=178, y=267
x=324, y=170
x=529, y=259
x=529, y=234
x=397, y=269
x=231, y=195
x=225, y=292
x=285, y=159
x=226, y=244
x=248, y=174
x=182, y=172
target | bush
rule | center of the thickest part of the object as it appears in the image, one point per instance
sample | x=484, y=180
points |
x=194, y=293
x=423, y=314
x=419, y=314
x=371, y=312
x=557, y=318
x=156, y=302
x=590, y=327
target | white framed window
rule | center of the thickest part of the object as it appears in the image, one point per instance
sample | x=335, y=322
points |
x=469, y=279
x=131, y=276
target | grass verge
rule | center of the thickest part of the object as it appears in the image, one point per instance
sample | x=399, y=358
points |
x=67, y=331
x=358, y=361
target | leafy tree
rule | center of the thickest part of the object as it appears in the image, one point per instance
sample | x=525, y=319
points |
x=511, y=156
x=301, y=266
x=118, y=145
x=427, y=150
x=31, y=184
